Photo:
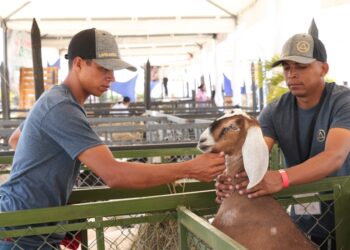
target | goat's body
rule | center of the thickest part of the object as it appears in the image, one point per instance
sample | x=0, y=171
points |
x=256, y=223
x=259, y=223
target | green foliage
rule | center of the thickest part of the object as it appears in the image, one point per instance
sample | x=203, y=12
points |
x=275, y=82
x=329, y=79
x=260, y=74
x=276, y=92
x=268, y=64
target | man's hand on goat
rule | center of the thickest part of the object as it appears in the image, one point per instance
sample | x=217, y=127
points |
x=224, y=186
x=271, y=183
x=206, y=167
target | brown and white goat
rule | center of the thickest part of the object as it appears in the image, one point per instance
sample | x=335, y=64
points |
x=256, y=223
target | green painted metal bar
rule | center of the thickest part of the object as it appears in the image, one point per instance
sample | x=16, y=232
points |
x=202, y=199
x=342, y=215
x=84, y=240
x=7, y=159
x=100, y=238
x=143, y=204
x=317, y=186
x=182, y=236
x=105, y=193
x=108, y=208
x=149, y=218
x=98, y=194
x=205, y=231
x=77, y=210
x=156, y=152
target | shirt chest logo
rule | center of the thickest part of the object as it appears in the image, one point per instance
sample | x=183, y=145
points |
x=321, y=135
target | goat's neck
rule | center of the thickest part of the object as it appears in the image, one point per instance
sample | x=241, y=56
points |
x=234, y=164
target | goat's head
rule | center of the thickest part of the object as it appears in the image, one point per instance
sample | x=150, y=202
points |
x=238, y=133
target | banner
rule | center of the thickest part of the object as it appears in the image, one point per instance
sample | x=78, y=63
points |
x=126, y=88
x=227, y=87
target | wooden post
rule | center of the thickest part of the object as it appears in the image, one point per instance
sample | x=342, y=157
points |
x=37, y=62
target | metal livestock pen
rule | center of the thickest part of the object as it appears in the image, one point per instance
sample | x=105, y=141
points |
x=166, y=217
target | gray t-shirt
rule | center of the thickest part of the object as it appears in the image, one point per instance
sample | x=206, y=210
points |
x=45, y=164
x=278, y=121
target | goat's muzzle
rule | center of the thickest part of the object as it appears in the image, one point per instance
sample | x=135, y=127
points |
x=206, y=141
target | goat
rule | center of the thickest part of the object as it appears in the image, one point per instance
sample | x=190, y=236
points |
x=256, y=223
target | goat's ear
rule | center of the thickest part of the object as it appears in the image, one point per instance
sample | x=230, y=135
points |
x=255, y=156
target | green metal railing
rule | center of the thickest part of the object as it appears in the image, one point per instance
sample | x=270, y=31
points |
x=157, y=205
x=101, y=208
x=155, y=150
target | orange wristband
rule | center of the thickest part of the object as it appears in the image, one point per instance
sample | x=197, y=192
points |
x=285, y=179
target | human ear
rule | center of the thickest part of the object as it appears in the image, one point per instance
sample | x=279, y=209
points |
x=77, y=63
x=325, y=68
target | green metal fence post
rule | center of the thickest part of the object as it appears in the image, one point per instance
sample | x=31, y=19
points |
x=342, y=215
x=84, y=240
x=100, y=238
x=183, y=234
x=204, y=231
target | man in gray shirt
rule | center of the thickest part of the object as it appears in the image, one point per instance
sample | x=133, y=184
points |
x=56, y=138
x=311, y=124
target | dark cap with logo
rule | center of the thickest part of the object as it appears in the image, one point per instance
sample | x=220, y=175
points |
x=303, y=48
x=98, y=45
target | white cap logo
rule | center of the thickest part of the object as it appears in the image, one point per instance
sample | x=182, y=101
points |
x=303, y=46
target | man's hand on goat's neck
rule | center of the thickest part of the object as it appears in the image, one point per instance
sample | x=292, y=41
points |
x=270, y=184
x=225, y=184
x=223, y=187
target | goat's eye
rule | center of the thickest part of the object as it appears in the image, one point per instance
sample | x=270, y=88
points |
x=235, y=128
x=231, y=127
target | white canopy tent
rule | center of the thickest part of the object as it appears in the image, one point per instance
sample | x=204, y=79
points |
x=181, y=32
x=164, y=31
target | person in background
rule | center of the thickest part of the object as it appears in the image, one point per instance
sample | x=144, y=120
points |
x=311, y=125
x=56, y=138
x=122, y=105
x=165, y=86
x=201, y=95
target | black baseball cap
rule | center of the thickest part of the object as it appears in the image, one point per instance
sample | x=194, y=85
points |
x=100, y=46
